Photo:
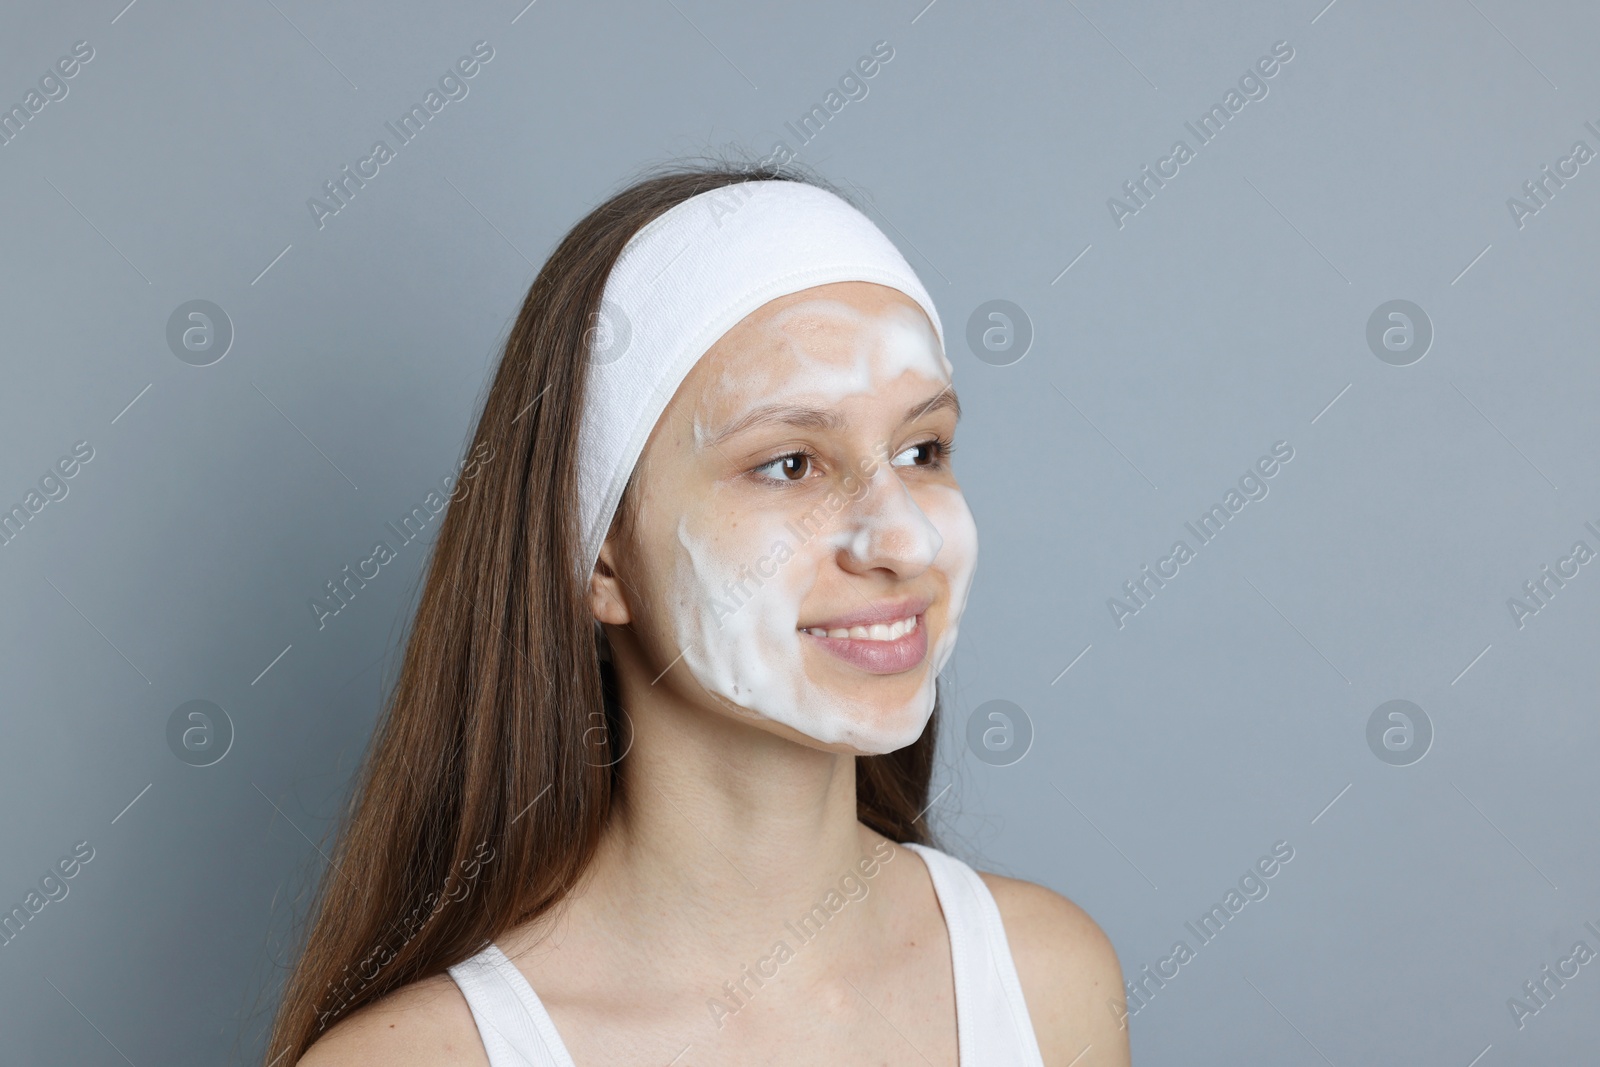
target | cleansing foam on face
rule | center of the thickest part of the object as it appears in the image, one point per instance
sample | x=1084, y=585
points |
x=739, y=590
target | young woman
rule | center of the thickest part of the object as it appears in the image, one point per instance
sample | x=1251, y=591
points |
x=651, y=785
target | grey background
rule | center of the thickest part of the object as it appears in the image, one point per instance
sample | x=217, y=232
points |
x=1228, y=714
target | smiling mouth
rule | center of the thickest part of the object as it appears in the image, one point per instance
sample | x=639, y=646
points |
x=892, y=631
x=894, y=646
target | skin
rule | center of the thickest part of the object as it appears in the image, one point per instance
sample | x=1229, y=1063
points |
x=740, y=481
x=735, y=823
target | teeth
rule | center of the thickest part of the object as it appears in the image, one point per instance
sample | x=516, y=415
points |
x=877, y=632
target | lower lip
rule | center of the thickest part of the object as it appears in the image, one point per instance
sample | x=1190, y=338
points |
x=879, y=657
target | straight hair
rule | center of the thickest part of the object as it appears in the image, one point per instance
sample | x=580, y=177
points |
x=486, y=788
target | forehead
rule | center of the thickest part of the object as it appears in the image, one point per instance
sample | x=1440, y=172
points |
x=822, y=344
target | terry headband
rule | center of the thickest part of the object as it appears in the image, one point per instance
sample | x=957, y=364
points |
x=685, y=279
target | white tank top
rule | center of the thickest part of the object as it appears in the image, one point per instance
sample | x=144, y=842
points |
x=992, y=1024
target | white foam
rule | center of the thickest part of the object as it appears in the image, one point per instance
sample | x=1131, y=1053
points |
x=738, y=590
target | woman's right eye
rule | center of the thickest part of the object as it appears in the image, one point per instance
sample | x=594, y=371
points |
x=790, y=468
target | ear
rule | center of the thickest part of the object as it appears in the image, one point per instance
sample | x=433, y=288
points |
x=607, y=601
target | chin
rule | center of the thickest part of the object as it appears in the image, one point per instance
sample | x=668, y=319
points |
x=854, y=716
x=875, y=730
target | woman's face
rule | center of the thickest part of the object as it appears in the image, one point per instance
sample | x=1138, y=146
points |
x=801, y=552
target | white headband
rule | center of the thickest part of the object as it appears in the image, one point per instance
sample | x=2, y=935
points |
x=683, y=281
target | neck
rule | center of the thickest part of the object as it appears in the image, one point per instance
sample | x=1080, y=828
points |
x=719, y=815
x=711, y=803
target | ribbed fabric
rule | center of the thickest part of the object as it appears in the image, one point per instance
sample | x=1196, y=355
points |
x=515, y=1028
x=992, y=1024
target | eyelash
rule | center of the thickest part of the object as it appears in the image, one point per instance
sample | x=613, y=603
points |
x=942, y=449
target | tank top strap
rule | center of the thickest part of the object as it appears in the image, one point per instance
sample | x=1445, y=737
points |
x=515, y=1028
x=992, y=1021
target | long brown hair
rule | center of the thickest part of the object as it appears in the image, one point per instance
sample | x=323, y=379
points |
x=487, y=785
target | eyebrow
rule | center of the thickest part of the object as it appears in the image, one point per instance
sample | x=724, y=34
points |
x=810, y=418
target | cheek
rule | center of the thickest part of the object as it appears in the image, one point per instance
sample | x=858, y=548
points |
x=741, y=544
x=738, y=580
x=947, y=509
x=957, y=560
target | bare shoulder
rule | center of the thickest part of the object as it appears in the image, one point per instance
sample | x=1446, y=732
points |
x=1069, y=972
x=424, y=1024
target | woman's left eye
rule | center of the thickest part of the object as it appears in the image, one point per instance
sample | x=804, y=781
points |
x=922, y=454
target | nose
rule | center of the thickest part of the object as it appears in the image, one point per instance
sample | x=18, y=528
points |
x=885, y=530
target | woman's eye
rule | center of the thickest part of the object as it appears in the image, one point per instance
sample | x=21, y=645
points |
x=790, y=468
x=924, y=454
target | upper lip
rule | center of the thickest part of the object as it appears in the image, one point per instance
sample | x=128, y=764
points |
x=886, y=612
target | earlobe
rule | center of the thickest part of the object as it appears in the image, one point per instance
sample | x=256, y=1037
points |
x=606, y=601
